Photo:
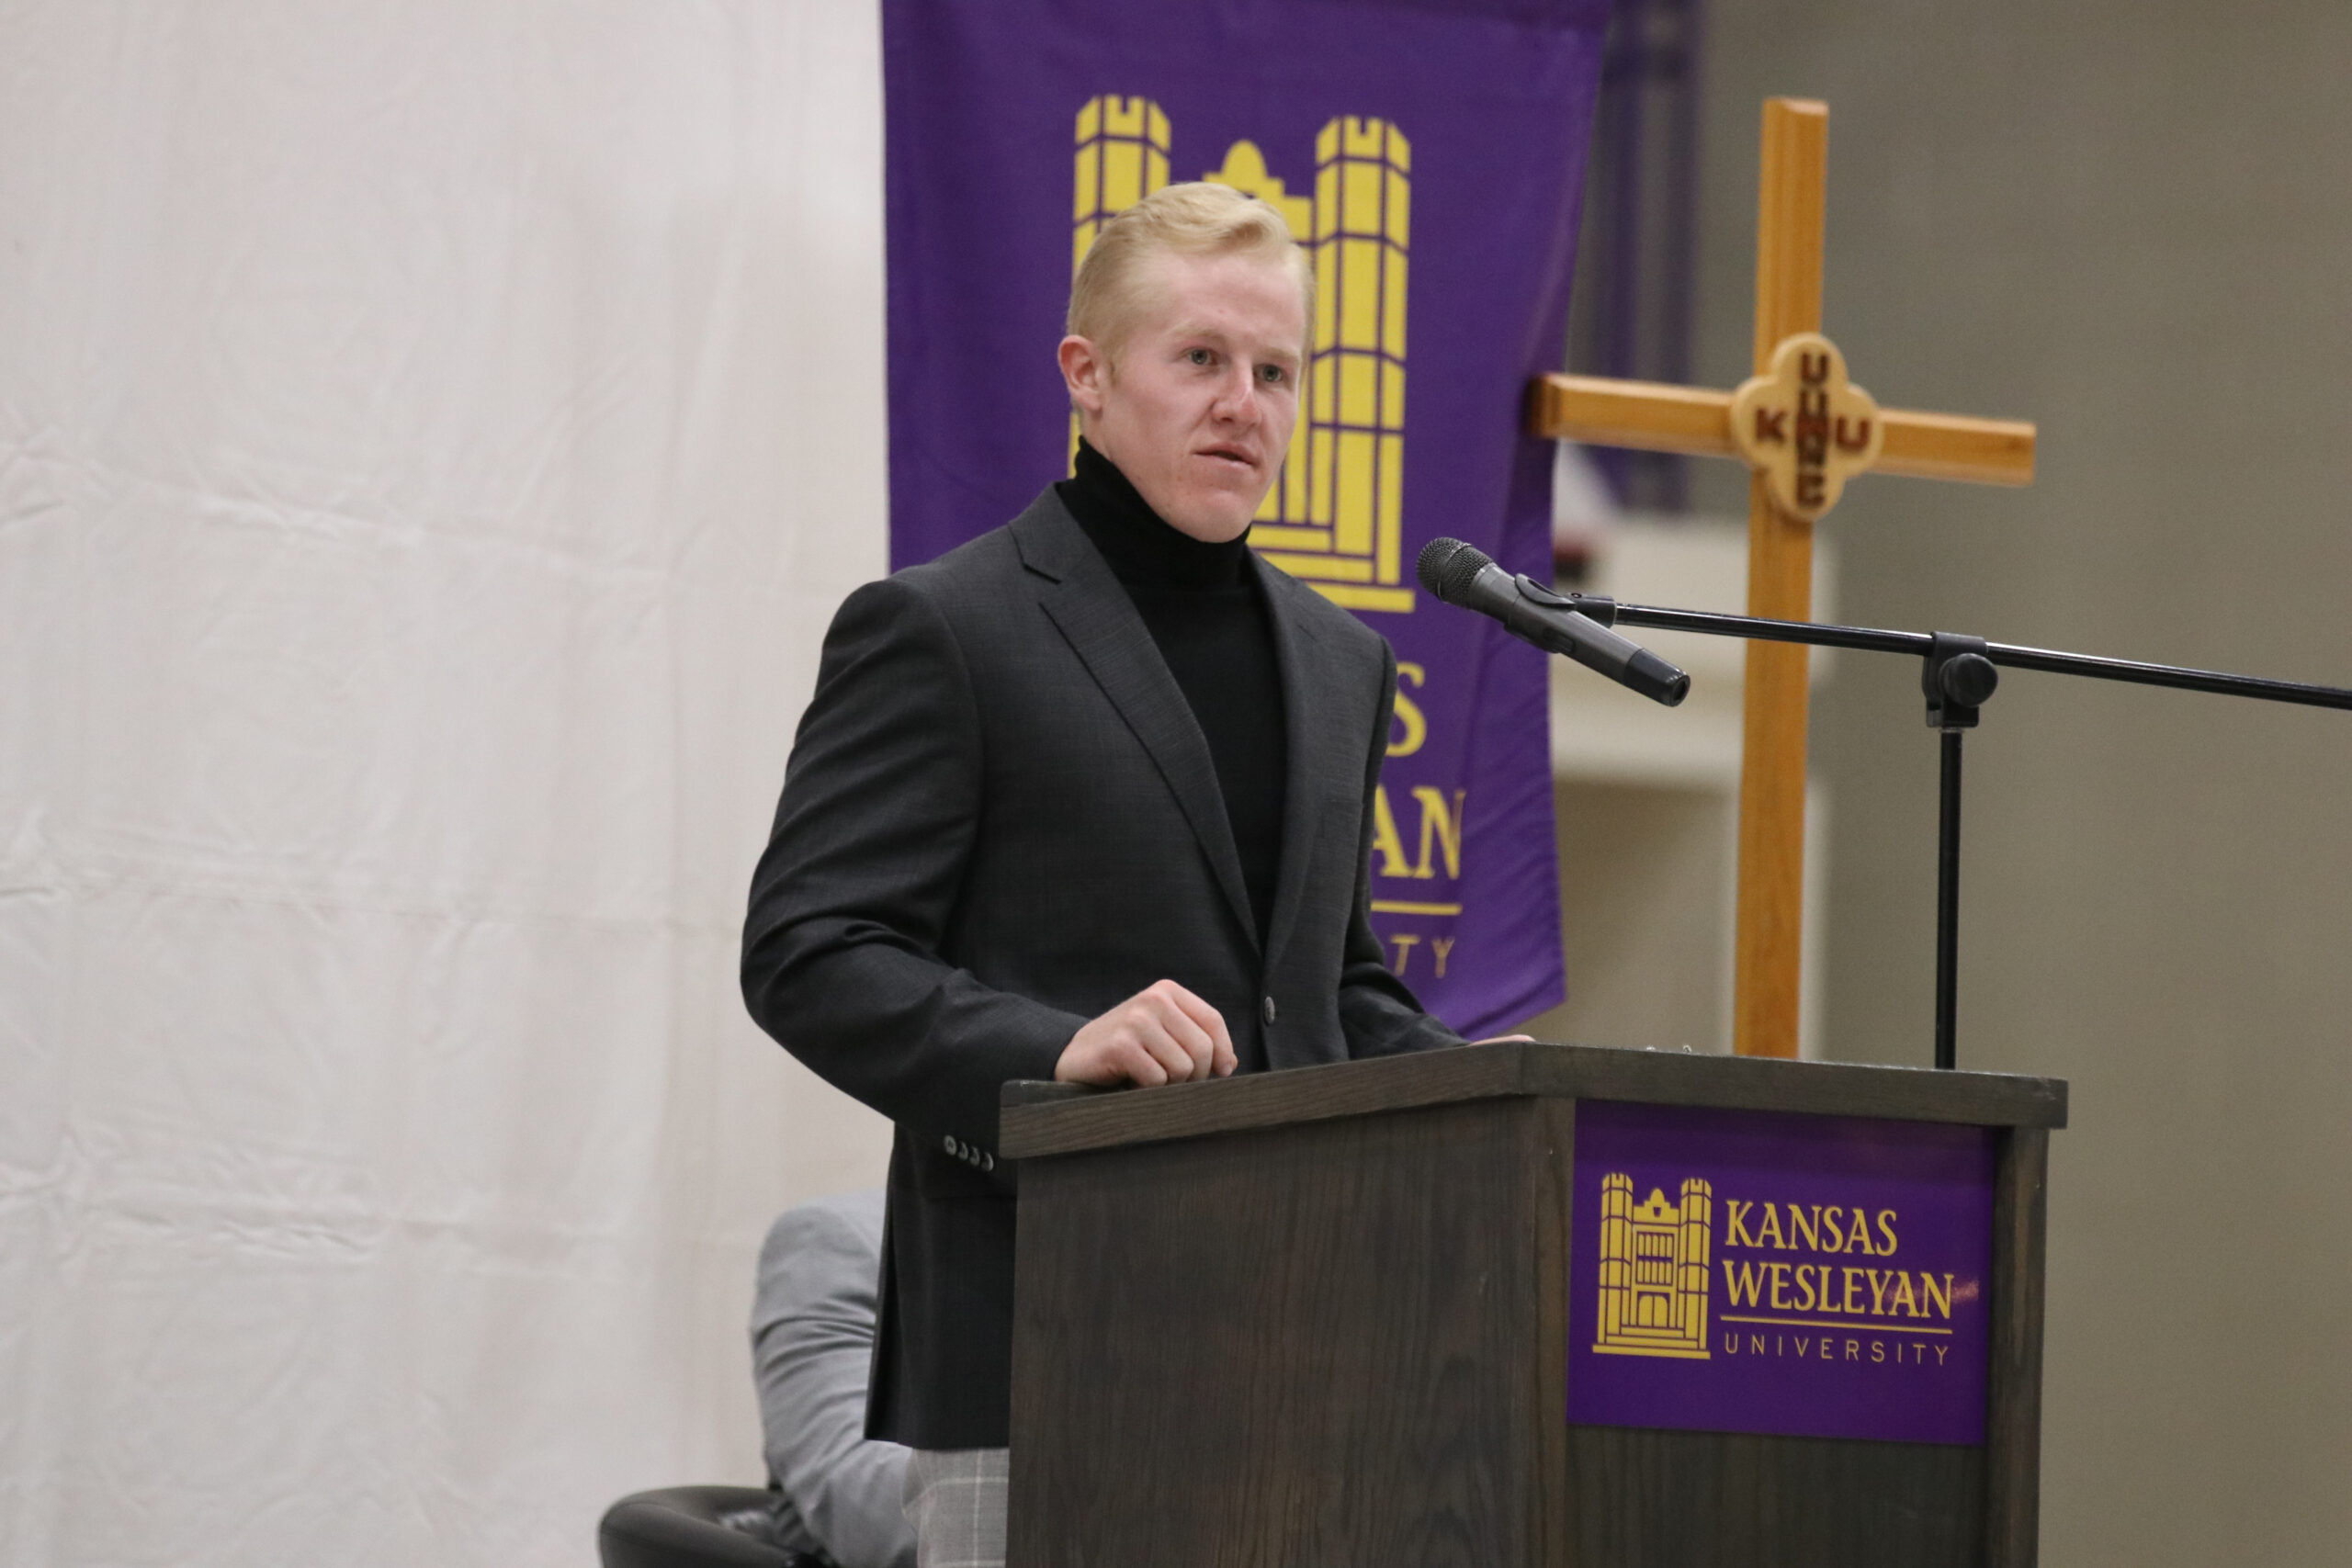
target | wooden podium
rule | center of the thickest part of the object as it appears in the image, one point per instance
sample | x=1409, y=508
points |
x=1329, y=1318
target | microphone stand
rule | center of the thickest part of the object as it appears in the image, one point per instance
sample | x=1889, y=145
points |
x=1958, y=675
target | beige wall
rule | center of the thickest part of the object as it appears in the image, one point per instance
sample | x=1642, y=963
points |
x=2132, y=223
x=1645, y=916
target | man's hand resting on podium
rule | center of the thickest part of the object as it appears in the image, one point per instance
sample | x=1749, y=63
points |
x=1161, y=1034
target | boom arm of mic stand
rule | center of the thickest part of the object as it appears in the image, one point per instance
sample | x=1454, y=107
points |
x=2011, y=656
x=1934, y=648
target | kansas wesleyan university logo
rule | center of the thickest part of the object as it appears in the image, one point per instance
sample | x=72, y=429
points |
x=1653, y=1273
x=1817, y=1276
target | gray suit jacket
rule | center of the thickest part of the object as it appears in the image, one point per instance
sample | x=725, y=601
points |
x=812, y=1350
x=999, y=820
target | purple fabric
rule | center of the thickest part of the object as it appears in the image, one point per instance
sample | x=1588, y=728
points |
x=1848, y=1266
x=1493, y=101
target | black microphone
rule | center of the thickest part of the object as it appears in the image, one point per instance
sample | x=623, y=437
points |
x=1464, y=574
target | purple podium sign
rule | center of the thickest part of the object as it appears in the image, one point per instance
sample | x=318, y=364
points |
x=1758, y=1271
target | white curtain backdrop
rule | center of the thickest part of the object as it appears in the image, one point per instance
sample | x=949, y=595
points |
x=433, y=437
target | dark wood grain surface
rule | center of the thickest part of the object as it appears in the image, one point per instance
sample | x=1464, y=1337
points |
x=1655, y=1499
x=1050, y=1119
x=1552, y=1503
x=1311, y=1348
x=2013, y=1410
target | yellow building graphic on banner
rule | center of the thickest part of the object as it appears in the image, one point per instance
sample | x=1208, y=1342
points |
x=1122, y=158
x=1336, y=517
x=1654, y=1270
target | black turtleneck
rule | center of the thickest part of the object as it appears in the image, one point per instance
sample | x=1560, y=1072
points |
x=1204, y=608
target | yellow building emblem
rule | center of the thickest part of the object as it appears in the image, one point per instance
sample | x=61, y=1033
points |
x=1336, y=518
x=1654, y=1270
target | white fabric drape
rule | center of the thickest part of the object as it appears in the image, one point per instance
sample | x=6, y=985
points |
x=433, y=437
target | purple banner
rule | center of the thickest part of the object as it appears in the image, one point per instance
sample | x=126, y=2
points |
x=1431, y=159
x=1810, y=1276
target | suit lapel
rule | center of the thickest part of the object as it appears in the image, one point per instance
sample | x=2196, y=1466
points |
x=1095, y=616
x=1322, y=718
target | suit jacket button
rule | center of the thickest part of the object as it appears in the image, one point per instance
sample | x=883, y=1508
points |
x=948, y=1142
x=1267, y=1010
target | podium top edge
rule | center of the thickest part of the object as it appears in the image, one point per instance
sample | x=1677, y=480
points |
x=1045, y=1119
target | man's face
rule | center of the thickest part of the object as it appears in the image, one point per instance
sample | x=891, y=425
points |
x=1199, y=409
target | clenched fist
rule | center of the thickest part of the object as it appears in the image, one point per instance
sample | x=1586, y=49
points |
x=1161, y=1034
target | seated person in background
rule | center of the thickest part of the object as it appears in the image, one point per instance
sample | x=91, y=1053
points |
x=838, y=1494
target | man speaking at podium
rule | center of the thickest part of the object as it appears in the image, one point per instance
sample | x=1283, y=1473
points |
x=1088, y=798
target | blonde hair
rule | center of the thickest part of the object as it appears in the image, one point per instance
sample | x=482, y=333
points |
x=1197, y=218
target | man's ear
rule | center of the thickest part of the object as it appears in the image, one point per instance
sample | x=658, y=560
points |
x=1086, y=370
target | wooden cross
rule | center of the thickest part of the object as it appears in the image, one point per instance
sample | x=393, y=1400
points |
x=1803, y=430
